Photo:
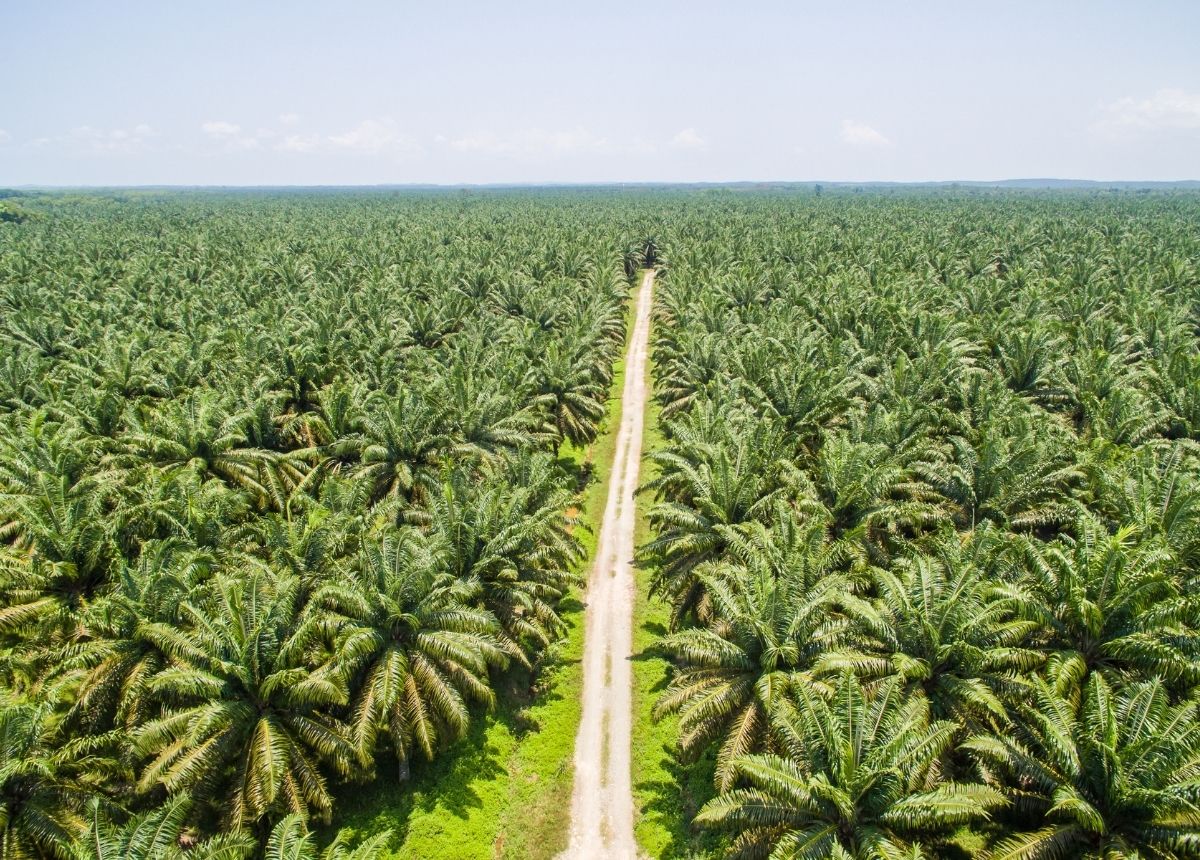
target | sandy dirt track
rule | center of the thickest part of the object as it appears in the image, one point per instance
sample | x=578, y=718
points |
x=602, y=801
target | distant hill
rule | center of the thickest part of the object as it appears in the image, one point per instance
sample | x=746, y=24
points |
x=1047, y=183
x=1083, y=183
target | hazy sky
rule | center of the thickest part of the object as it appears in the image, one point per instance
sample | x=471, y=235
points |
x=295, y=92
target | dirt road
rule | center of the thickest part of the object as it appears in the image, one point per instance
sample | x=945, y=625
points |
x=602, y=802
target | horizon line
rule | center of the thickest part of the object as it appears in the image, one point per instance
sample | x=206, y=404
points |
x=1017, y=181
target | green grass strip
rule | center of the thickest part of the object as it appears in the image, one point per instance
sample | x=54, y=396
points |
x=666, y=791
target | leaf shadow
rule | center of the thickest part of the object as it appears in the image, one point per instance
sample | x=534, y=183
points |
x=675, y=800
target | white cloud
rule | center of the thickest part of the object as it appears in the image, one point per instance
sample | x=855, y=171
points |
x=861, y=134
x=289, y=118
x=220, y=128
x=375, y=136
x=477, y=143
x=300, y=143
x=230, y=136
x=1166, y=109
x=688, y=138
x=5, y=137
x=369, y=137
x=118, y=141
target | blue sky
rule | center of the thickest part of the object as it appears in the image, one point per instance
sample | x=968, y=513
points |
x=300, y=92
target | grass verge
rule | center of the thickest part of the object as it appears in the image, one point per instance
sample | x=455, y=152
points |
x=504, y=790
x=666, y=790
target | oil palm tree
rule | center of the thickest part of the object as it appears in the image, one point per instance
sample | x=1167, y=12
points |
x=162, y=833
x=513, y=541
x=942, y=628
x=1106, y=602
x=122, y=367
x=807, y=393
x=198, y=433
x=247, y=719
x=1102, y=774
x=1028, y=357
x=418, y=652
x=1016, y=472
x=688, y=370
x=493, y=415
x=311, y=547
x=764, y=631
x=41, y=790
x=1154, y=489
x=35, y=451
x=572, y=391
x=713, y=479
x=292, y=840
x=872, y=497
x=107, y=678
x=66, y=558
x=856, y=776
x=405, y=441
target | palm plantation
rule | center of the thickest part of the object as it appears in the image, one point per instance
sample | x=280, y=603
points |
x=984, y=438
x=290, y=490
x=281, y=509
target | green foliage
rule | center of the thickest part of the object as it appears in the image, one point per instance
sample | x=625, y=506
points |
x=36, y=786
x=247, y=710
x=929, y=484
x=855, y=777
x=279, y=494
x=11, y=213
x=1104, y=774
x=160, y=834
x=289, y=499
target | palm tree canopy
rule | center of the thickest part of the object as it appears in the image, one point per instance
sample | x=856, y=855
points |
x=1101, y=773
x=857, y=776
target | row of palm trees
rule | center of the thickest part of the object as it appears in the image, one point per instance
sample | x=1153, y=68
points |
x=928, y=521
x=280, y=500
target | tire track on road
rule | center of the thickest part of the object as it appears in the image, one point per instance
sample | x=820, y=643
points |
x=602, y=799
